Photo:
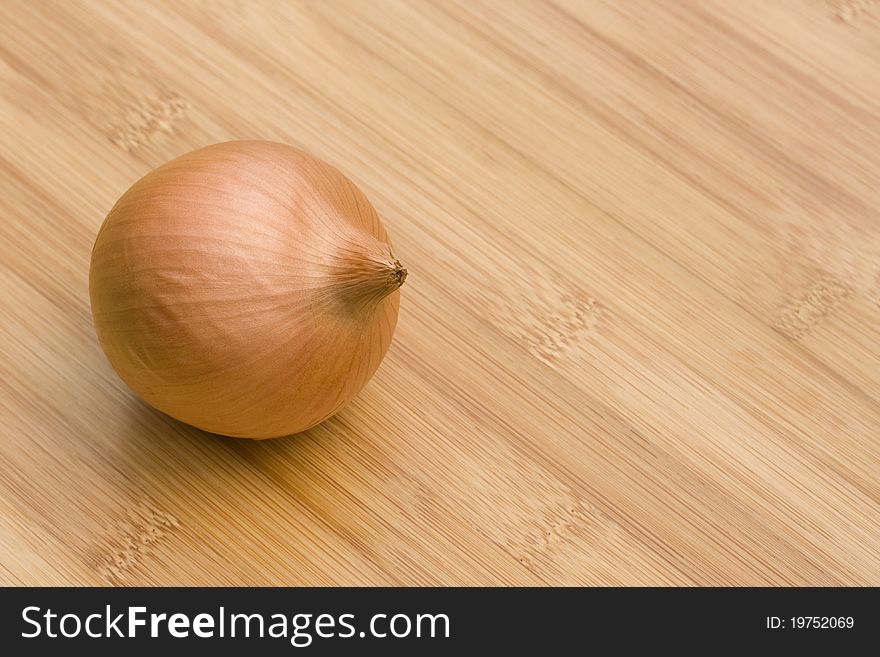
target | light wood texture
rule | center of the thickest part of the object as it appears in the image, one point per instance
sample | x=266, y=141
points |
x=639, y=343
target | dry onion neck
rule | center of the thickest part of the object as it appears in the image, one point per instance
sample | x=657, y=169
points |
x=361, y=279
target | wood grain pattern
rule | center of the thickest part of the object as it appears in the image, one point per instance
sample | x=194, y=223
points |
x=639, y=344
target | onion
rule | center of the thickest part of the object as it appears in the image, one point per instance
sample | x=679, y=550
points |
x=245, y=288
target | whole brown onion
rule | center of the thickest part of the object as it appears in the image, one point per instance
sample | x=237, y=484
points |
x=245, y=288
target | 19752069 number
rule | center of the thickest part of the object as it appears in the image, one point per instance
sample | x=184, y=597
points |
x=822, y=622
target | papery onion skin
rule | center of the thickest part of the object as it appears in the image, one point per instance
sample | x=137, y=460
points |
x=246, y=288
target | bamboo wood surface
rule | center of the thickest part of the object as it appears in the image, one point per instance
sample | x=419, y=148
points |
x=639, y=343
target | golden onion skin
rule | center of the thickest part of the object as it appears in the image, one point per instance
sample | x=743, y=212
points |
x=246, y=288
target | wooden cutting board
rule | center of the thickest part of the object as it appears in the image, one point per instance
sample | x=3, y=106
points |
x=639, y=344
